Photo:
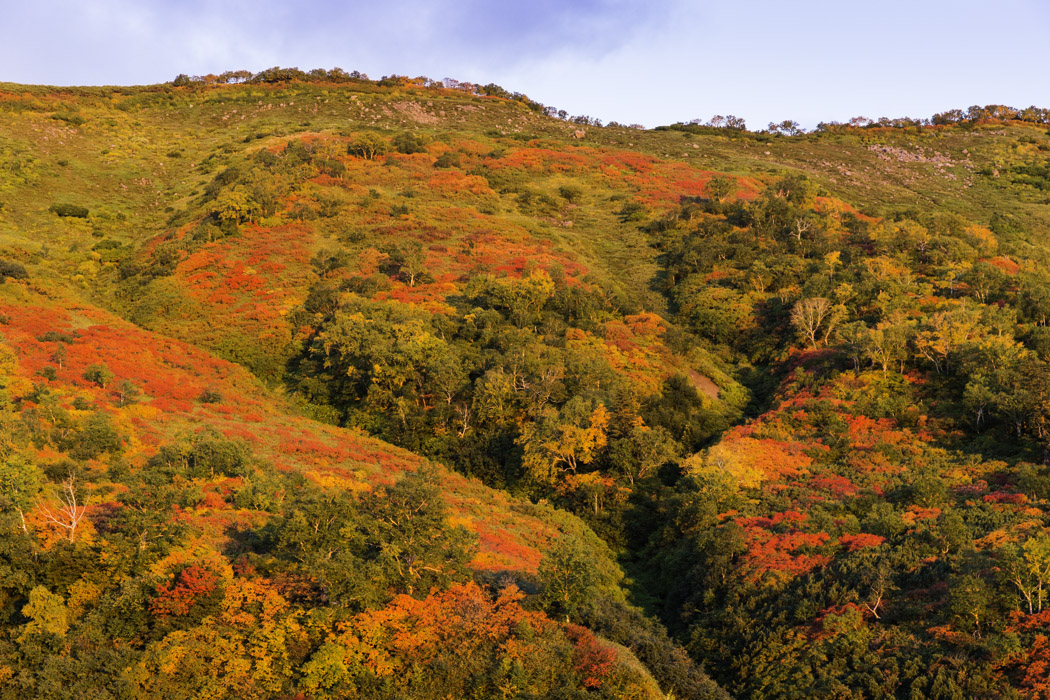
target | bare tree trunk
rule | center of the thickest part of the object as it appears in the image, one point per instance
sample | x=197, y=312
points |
x=67, y=517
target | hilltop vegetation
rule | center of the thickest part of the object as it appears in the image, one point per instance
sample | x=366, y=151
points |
x=334, y=387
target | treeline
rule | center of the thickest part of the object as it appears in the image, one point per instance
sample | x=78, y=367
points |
x=277, y=75
x=789, y=127
x=970, y=116
x=338, y=75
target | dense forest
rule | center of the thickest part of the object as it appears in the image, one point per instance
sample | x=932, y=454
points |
x=317, y=386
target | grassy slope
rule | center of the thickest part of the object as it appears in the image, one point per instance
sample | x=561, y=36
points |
x=172, y=375
x=139, y=154
x=137, y=160
x=122, y=163
x=138, y=157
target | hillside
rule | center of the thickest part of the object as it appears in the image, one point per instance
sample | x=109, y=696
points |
x=345, y=376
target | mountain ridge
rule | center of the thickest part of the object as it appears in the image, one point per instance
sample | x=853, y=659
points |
x=770, y=376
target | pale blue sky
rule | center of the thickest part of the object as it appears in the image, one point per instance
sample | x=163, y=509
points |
x=649, y=62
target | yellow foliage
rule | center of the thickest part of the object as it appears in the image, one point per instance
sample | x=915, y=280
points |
x=993, y=540
x=984, y=239
x=243, y=600
x=554, y=444
x=47, y=613
x=139, y=410
x=460, y=521
x=82, y=595
x=349, y=481
x=749, y=461
x=199, y=554
x=88, y=268
x=216, y=662
x=719, y=461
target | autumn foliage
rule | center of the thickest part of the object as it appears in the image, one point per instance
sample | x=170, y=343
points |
x=335, y=387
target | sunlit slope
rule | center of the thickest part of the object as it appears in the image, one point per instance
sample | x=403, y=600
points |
x=103, y=408
x=158, y=390
x=569, y=313
x=485, y=186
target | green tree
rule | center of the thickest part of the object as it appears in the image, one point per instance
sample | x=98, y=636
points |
x=575, y=575
x=368, y=146
x=564, y=440
x=59, y=355
x=643, y=450
x=20, y=484
x=722, y=314
x=98, y=374
x=719, y=187
x=522, y=299
x=127, y=393
x=409, y=143
x=417, y=548
x=47, y=614
x=408, y=257
x=970, y=603
x=235, y=205
x=1027, y=568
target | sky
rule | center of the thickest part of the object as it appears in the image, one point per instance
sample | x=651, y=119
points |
x=633, y=61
